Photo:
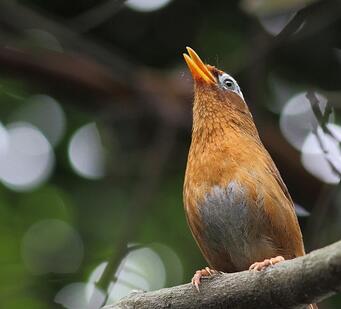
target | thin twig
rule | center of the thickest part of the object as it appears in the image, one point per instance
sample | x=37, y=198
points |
x=320, y=14
x=323, y=121
x=152, y=167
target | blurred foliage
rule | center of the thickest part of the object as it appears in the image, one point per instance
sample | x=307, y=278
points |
x=120, y=188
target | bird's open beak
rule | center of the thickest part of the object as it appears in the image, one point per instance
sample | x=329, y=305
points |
x=198, y=69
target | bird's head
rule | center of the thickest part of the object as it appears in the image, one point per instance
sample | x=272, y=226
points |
x=213, y=86
x=218, y=100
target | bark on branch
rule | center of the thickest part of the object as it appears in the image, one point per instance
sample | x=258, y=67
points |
x=290, y=284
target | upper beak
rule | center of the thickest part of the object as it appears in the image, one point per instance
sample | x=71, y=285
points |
x=198, y=69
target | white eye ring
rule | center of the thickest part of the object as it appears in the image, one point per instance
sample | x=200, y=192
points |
x=229, y=83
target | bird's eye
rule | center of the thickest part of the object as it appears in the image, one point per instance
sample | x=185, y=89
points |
x=228, y=83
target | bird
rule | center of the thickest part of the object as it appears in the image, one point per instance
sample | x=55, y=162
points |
x=237, y=206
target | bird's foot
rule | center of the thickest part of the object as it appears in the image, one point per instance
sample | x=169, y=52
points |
x=258, y=266
x=203, y=273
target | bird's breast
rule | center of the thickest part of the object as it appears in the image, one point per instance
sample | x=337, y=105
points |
x=233, y=225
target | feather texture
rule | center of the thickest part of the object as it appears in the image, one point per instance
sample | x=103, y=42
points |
x=237, y=205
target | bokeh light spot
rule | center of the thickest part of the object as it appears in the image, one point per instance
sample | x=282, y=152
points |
x=46, y=202
x=4, y=139
x=315, y=160
x=297, y=119
x=274, y=24
x=73, y=296
x=52, y=246
x=335, y=131
x=44, y=39
x=86, y=152
x=45, y=113
x=28, y=159
x=146, y=5
x=172, y=263
x=146, y=263
x=141, y=269
x=301, y=211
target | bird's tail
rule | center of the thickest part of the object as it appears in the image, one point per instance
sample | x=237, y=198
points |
x=312, y=306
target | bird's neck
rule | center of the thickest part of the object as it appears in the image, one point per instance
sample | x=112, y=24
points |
x=217, y=124
x=224, y=138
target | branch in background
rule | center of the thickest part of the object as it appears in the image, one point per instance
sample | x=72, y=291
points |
x=315, y=106
x=323, y=121
x=307, y=21
x=328, y=192
x=322, y=13
x=290, y=284
x=140, y=90
x=64, y=70
x=96, y=15
x=152, y=167
x=17, y=18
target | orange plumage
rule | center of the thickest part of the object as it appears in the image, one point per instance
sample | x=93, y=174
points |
x=237, y=205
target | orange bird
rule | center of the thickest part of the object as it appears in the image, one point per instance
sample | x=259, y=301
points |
x=237, y=206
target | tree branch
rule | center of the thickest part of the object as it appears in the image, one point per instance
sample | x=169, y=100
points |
x=17, y=18
x=96, y=15
x=290, y=284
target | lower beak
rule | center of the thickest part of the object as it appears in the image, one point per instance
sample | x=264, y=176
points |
x=198, y=69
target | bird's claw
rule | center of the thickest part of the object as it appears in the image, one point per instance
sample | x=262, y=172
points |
x=203, y=273
x=210, y=271
x=259, y=266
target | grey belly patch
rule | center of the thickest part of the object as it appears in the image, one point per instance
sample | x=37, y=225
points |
x=231, y=224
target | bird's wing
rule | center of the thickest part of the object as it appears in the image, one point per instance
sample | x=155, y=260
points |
x=275, y=173
x=281, y=213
